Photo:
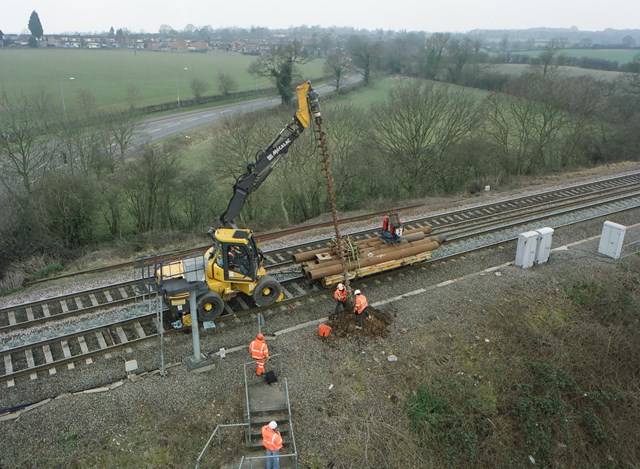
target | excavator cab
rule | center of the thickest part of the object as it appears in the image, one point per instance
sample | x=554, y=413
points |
x=235, y=256
x=232, y=265
x=235, y=265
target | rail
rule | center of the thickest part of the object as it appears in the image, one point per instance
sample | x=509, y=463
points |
x=218, y=427
x=251, y=459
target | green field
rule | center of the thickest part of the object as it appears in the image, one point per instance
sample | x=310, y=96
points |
x=519, y=69
x=159, y=76
x=622, y=56
x=363, y=97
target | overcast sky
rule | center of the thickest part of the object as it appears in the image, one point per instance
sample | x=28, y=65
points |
x=61, y=16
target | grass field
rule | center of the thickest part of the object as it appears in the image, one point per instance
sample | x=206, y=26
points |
x=159, y=76
x=519, y=69
x=363, y=97
x=622, y=56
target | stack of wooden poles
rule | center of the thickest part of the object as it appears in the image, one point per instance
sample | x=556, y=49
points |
x=368, y=256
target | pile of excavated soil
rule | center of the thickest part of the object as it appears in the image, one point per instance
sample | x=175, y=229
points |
x=377, y=324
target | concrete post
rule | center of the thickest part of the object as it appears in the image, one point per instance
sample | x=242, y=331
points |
x=194, y=327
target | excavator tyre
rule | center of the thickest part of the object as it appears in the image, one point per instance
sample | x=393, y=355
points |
x=210, y=306
x=267, y=291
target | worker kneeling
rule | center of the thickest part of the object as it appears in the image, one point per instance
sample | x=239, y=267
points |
x=259, y=352
x=392, y=230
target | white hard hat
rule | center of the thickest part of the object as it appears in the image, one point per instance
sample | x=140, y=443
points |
x=357, y=292
x=340, y=286
x=272, y=425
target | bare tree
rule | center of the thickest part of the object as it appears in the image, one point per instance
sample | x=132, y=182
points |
x=346, y=138
x=509, y=128
x=198, y=88
x=280, y=65
x=226, y=83
x=236, y=146
x=364, y=55
x=458, y=54
x=401, y=54
x=87, y=104
x=534, y=126
x=111, y=203
x=25, y=153
x=132, y=95
x=416, y=128
x=122, y=128
x=547, y=61
x=150, y=189
x=81, y=147
x=630, y=80
x=200, y=199
x=433, y=55
x=66, y=204
x=336, y=65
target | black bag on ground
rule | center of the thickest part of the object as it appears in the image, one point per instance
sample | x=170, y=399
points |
x=270, y=377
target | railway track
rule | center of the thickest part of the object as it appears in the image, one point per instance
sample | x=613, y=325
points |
x=280, y=262
x=72, y=304
x=66, y=349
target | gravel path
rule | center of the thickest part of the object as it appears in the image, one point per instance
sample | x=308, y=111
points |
x=431, y=304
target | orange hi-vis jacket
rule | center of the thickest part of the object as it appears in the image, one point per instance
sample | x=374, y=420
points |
x=386, y=226
x=340, y=295
x=258, y=349
x=361, y=303
x=271, y=439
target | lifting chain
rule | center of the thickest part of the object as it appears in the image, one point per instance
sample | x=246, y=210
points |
x=321, y=137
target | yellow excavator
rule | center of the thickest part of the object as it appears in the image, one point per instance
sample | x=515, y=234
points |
x=233, y=265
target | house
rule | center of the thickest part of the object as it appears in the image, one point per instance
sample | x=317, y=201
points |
x=199, y=46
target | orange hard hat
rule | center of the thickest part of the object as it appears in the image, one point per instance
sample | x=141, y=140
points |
x=259, y=336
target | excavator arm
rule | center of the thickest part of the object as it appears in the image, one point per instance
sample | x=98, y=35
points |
x=268, y=157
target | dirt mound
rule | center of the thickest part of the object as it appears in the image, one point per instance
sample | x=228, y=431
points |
x=377, y=325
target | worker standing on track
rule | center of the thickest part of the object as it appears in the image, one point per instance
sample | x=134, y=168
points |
x=341, y=297
x=259, y=352
x=361, y=308
x=272, y=441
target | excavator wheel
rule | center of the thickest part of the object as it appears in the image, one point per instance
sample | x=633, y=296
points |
x=210, y=306
x=267, y=291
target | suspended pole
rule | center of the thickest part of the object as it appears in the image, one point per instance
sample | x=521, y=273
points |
x=326, y=164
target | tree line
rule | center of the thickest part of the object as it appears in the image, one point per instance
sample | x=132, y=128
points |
x=67, y=186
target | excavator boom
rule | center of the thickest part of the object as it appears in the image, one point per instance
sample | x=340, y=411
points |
x=268, y=157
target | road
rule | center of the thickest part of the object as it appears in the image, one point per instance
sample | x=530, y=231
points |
x=164, y=127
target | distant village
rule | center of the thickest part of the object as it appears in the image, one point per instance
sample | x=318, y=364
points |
x=150, y=42
x=258, y=41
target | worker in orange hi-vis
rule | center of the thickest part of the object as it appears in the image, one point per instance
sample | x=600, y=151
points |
x=341, y=297
x=272, y=441
x=259, y=352
x=361, y=307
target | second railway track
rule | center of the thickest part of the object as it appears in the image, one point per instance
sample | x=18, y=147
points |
x=65, y=349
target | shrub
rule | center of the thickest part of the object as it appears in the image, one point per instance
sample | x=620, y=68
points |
x=47, y=271
x=440, y=420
